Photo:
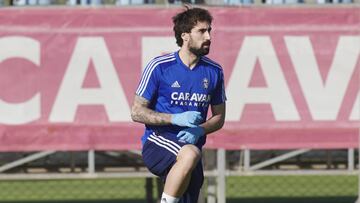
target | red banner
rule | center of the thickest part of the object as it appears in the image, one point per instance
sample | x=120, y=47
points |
x=68, y=76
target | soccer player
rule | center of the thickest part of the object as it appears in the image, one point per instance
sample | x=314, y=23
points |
x=172, y=100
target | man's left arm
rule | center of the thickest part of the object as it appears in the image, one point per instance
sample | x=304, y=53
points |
x=216, y=121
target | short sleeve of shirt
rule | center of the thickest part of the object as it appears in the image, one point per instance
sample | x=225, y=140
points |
x=219, y=96
x=149, y=82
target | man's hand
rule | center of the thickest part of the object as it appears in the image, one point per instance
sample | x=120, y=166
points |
x=187, y=119
x=191, y=135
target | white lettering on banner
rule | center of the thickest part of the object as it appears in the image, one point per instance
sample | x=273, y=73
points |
x=277, y=93
x=324, y=98
x=355, y=113
x=71, y=94
x=156, y=46
x=24, y=112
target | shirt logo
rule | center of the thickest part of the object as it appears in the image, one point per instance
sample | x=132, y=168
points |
x=190, y=99
x=175, y=84
x=205, y=83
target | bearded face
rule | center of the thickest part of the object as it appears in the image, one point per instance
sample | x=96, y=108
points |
x=199, y=39
x=199, y=50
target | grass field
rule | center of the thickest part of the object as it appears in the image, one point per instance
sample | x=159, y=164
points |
x=250, y=189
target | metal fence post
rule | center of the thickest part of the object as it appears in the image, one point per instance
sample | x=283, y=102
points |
x=91, y=161
x=246, y=159
x=210, y=164
x=221, y=169
x=351, y=159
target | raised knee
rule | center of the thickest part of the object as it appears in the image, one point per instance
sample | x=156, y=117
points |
x=189, y=155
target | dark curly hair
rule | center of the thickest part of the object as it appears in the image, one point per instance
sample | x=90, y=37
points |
x=186, y=20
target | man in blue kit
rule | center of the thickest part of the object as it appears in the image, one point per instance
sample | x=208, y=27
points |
x=172, y=100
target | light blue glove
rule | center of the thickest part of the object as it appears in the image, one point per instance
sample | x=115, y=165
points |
x=187, y=119
x=191, y=135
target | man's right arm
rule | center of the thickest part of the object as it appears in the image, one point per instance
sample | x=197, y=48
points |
x=140, y=112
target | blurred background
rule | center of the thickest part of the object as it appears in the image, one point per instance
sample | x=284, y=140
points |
x=69, y=68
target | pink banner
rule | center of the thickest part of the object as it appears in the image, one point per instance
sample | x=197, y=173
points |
x=68, y=76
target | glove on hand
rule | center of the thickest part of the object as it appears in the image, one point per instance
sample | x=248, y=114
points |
x=187, y=119
x=191, y=135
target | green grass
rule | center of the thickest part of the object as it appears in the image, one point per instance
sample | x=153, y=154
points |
x=105, y=189
x=249, y=189
x=291, y=186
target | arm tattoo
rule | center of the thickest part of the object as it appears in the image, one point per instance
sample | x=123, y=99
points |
x=141, y=112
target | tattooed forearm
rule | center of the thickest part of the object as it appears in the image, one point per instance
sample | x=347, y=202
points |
x=151, y=117
x=141, y=113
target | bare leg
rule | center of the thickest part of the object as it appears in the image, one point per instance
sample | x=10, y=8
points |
x=179, y=176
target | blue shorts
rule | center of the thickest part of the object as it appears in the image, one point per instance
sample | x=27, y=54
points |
x=159, y=154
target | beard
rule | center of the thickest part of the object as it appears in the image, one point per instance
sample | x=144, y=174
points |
x=202, y=51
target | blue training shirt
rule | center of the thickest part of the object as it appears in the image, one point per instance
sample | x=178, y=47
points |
x=172, y=87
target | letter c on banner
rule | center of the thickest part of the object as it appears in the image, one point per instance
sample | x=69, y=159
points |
x=29, y=49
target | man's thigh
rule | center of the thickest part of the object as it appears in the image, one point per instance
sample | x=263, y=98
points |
x=159, y=153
